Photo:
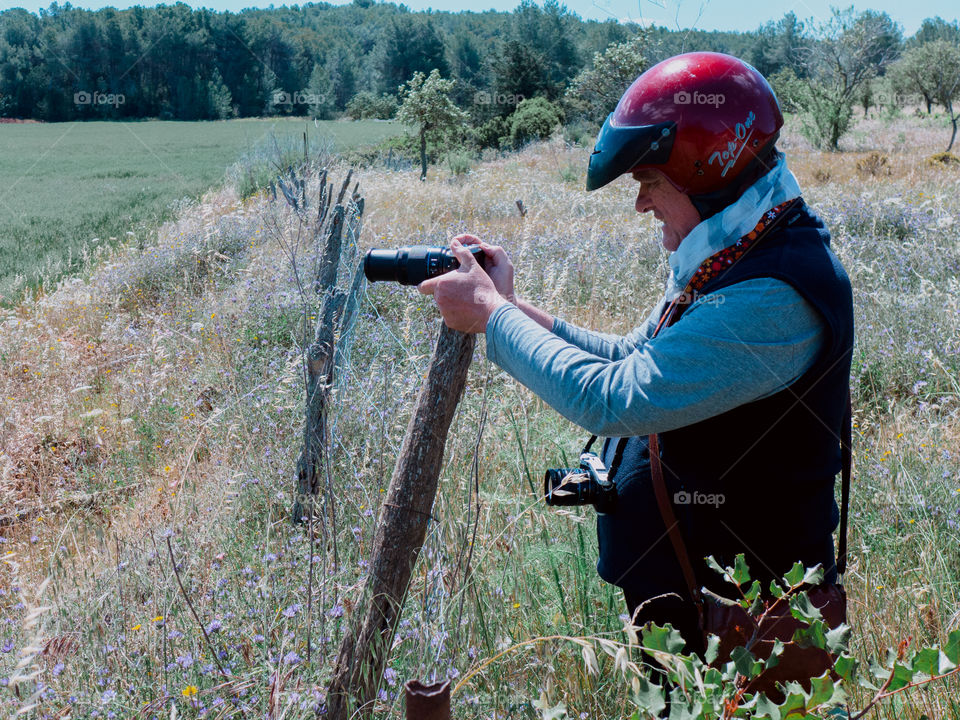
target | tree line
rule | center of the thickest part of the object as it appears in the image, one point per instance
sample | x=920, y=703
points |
x=173, y=62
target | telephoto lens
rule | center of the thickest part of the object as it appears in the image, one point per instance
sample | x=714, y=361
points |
x=412, y=265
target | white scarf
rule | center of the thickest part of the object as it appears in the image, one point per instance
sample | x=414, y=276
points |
x=729, y=225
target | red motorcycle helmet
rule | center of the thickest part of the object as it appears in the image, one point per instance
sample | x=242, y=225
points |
x=699, y=118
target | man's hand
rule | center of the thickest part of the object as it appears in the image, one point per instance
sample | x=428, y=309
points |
x=467, y=296
x=498, y=265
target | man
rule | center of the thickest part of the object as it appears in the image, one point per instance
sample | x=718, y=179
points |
x=740, y=373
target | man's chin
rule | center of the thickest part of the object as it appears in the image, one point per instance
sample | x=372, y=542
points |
x=669, y=239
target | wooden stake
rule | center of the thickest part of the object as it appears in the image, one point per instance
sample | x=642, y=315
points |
x=403, y=525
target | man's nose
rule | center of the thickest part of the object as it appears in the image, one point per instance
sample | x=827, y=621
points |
x=643, y=203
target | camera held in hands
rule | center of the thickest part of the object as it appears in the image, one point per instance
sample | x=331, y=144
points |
x=413, y=265
x=588, y=484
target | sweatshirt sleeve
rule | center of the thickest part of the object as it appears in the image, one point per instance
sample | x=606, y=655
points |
x=604, y=345
x=745, y=342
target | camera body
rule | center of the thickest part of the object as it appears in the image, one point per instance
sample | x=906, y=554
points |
x=412, y=265
x=588, y=484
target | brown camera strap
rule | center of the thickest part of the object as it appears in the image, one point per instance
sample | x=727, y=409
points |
x=670, y=520
x=846, y=461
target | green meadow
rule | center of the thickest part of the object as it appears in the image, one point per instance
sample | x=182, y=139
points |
x=66, y=187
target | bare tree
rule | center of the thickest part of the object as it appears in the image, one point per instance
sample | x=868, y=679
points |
x=596, y=91
x=933, y=69
x=848, y=50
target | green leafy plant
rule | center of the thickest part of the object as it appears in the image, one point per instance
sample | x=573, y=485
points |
x=703, y=688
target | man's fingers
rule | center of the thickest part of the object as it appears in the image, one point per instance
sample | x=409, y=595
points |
x=468, y=239
x=494, y=252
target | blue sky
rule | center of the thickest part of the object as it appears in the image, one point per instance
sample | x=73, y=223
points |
x=702, y=14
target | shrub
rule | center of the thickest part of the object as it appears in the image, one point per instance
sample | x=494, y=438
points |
x=874, y=164
x=494, y=133
x=534, y=119
x=788, y=89
x=822, y=175
x=459, y=162
x=945, y=159
x=366, y=105
x=571, y=173
x=581, y=133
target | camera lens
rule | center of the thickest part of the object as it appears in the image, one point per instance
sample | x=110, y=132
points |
x=381, y=265
x=408, y=265
x=566, y=486
x=412, y=265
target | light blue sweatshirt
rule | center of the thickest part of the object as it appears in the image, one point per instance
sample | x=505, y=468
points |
x=745, y=342
x=742, y=343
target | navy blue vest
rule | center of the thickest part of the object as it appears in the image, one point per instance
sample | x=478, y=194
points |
x=773, y=460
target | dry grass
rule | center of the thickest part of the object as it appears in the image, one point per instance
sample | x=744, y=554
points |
x=159, y=390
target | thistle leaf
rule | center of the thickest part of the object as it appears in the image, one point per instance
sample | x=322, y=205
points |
x=665, y=639
x=802, y=608
x=838, y=639
x=649, y=697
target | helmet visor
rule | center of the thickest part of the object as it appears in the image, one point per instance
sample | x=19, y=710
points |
x=620, y=149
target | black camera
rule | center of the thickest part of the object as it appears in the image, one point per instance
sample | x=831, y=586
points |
x=413, y=265
x=585, y=485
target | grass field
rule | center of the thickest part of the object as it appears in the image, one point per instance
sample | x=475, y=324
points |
x=160, y=396
x=66, y=186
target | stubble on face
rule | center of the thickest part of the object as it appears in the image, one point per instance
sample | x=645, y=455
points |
x=670, y=206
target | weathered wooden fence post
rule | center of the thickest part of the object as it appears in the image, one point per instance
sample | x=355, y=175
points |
x=403, y=526
x=335, y=315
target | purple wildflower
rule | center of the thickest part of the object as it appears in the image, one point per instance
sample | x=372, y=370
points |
x=292, y=610
x=291, y=658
